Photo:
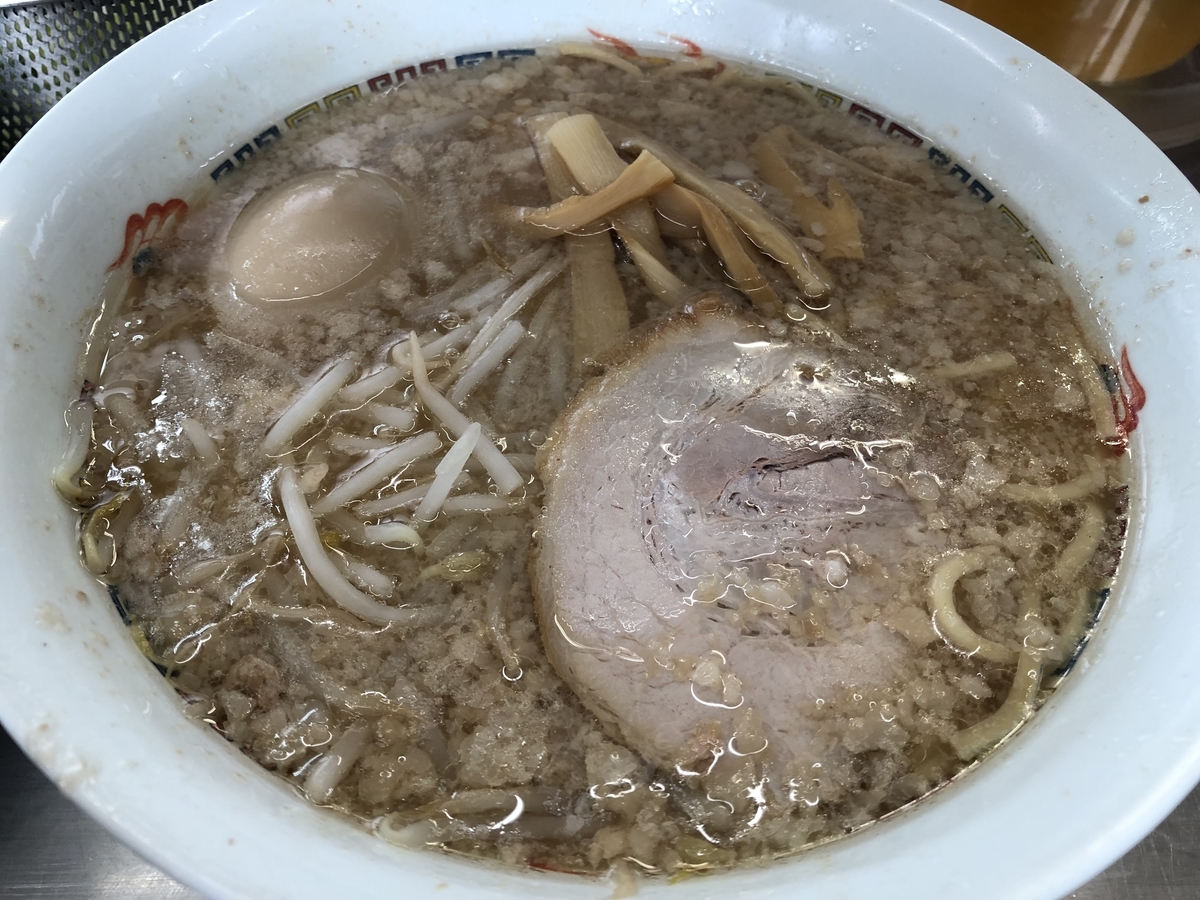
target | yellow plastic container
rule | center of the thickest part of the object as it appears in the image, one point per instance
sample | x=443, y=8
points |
x=1100, y=41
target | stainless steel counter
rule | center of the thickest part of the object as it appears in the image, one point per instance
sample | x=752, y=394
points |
x=50, y=849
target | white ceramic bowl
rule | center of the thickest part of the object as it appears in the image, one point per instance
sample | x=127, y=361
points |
x=1113, y=751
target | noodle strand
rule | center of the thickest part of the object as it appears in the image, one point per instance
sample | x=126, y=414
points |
x=1017, y=707
x=946, y=619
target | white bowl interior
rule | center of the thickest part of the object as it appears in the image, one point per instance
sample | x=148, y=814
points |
x=1120, y=743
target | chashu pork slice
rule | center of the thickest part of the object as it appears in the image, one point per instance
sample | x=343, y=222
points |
x=709, y=500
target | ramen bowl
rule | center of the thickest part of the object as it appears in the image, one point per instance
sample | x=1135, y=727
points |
x=1113, y=750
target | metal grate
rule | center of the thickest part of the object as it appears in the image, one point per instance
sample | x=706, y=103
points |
x=49, y=47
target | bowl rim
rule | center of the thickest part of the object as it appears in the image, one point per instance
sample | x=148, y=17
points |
x=1146, y=798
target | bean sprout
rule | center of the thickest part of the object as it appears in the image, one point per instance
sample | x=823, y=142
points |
x=201, y=441
x=407, y=497
x=321, y=567
x=337, y=762
x=402, y=359
x=497, y=594
x=352, y=444
x=507, y=310
x=500, y=469
x=446, y=473
x=475, y=503
x=366, y=388
x=488, y=360
x=366, y=577
x=450, y=538
x=206, y=569
x=393, y=533
x=402, y=418
x=305, y=407
x=79, y=440
x=377, y=471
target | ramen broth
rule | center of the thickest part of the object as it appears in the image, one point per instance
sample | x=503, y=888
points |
x=337, y=574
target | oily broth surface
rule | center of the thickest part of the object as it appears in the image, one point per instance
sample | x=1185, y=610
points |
x=258, y=651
